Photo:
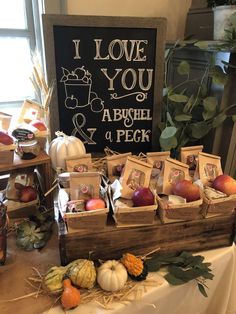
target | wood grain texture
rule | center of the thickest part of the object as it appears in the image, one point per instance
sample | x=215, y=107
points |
x=111, y=242
x=41, y=163
x=221, y=206
x=19, y=163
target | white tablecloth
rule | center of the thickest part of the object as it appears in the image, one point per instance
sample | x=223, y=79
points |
x=184, y=299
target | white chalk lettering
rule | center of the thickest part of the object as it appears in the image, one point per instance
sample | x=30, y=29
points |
x=106, y=116
x=138, y=57
x=108, y=136
x=133, y=79
x=127, y=115
x=120, y=49
x=136, y=78
x=119, y=134
x=131, y=50
x=77, y=44
x=149, y=80
x=136, y=136
x=111, y=79
x=98, y=48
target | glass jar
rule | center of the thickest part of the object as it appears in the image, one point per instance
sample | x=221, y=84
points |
x=3, y=233
x=64, y=179
x=28, y=149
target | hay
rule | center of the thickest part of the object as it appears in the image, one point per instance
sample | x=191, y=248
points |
x=100, y=163
x=132, y=291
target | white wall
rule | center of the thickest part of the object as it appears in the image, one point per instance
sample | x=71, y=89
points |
x=174, y=10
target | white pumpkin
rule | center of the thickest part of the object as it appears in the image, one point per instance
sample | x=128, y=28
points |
x=64, y=146
x=112, y=275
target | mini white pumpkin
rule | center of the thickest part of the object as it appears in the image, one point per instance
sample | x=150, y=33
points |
x=112, y=275
x=64, y=146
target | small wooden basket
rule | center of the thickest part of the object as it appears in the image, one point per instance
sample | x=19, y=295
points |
x=180, y=212
x=134, y=216
x=95, y=219
x=220, y=206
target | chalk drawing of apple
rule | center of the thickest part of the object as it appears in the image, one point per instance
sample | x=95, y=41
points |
x=71, y=102
x=97, y=104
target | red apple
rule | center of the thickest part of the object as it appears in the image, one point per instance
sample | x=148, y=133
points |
x=95, y=203
x=40, y=125
x=187, y=190
x=28, y=194
x=5, y=139
x=143, y=197
x=225, y=184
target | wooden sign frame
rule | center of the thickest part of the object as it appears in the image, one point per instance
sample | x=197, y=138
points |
x=50, y=22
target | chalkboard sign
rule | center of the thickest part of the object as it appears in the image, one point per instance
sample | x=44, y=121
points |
x=108, y=73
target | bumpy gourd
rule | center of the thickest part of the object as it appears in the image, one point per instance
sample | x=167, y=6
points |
x=111, y=276
x=71, y=296
x=64, y=146
x=136, y=268
x=52, y=281
x=82, y=273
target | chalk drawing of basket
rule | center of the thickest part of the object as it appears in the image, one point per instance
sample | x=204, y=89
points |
x=80, y=90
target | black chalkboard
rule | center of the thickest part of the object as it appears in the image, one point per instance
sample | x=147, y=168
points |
x=108, y=73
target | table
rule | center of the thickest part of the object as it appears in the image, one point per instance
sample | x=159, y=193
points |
x=163, y=299
x=184, y=299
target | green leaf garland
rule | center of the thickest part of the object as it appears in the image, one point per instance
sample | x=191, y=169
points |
x=182, y=269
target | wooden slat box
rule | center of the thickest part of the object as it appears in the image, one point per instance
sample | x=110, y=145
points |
x=134, y=216
x=111, y=242
x=180, y=212
x=219, y=206
x=95, y=219
x=20, y=209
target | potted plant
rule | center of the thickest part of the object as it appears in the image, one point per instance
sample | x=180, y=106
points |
x=215, y=3
x=188, y=118
x=222, y=10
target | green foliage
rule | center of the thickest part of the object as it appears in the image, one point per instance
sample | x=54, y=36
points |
x=218, y=75
x=189, y=118
x=34, y=234
x=234, y=117
x=215, y=3
x=229, y=42
x=183, y=268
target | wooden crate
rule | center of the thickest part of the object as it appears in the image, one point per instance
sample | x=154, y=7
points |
x=219, y=206
x=180, y=212
x=111, y=242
